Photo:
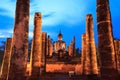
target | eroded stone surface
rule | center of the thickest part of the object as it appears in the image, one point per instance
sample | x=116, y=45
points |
x=72, y=48
x=49, y=47
x=83, y=59
x=37, y=47
x=90, y=47
x=44, y=50
x=6, y=60
x=19, y=52
x=117, y=51
x=105, y=42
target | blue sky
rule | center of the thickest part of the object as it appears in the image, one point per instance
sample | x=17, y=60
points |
x=67, y=15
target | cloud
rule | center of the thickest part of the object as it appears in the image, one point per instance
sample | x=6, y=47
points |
x=48, y=15
x=6, y=33
x=7, y=8
x=68, y=14
x=31, y=34
x=52, y=34
x=58, y=11
x=54, y=12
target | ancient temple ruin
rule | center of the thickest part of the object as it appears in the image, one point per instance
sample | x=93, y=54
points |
x=49, y=47
x=117, y=51
x=6, y=60
x=83, y=60
x=37, y=47
x=90, y=47
x=19, y=50
x=105, y=42
x=89, y=59
x=44, y=50
x=48, y=59
x=72, y=48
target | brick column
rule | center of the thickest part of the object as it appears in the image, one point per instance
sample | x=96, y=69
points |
x=117, y=51
x=83, y=54
x=48, y=46
x=6, y=60
x=74, y=48
x=18, y=62
x=43, y=59
x=31, y=56
x=90, y=46
x=108, y=69
x=37, y=47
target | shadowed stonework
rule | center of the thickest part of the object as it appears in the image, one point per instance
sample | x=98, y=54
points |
x=52, y=60
x=108, y=69
x=6, y=60
x=89, y=58
x=117, y=51
x=44, y=48
x=49, y=47
x=90, y=47
x=83, y=54
x=31, y=56
x=72, y=48
x=37, y=47
x=19, y=53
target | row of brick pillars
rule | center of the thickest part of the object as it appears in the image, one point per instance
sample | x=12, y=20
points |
x=17, y=61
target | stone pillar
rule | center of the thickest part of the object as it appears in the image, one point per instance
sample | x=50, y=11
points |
x=51, y=48
x=43, y=59
x=37, y=47
x=105, y=42
x=31, y=56
x=117, y=51
x=18, y=62
x=74, y=48
x=90, y=46
x=6, y=60
x=70, y=49
x=84, y=55
x=48, y=46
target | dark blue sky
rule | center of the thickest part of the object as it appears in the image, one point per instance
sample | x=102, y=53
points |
x=67, y=15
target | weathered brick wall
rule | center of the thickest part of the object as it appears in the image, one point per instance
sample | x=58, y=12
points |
x=117, y=52
x=65, y=68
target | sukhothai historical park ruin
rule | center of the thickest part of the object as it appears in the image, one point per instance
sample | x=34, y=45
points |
x=49, y=60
